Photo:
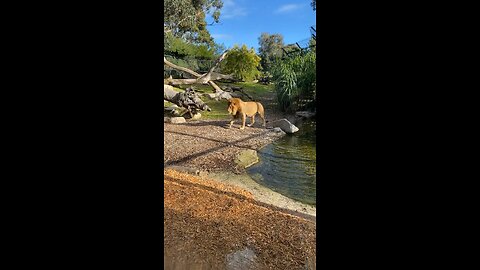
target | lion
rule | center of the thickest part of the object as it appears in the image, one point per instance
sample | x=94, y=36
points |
x=237, y=108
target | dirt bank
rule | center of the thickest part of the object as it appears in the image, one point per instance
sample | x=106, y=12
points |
x=210, y=225
x=261, y=193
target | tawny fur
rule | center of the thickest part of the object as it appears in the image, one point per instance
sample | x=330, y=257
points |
x=238, y=108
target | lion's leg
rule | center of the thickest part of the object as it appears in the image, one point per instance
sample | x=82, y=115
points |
x=244, y=118
x=231, y=122
x=263, y=117
x=253, y=121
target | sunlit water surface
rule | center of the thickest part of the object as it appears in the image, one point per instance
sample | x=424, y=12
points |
x=288, y=165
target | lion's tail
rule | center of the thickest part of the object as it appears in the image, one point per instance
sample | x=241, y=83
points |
x=261, y=111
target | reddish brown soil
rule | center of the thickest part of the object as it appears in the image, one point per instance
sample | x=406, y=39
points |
x=205, y=221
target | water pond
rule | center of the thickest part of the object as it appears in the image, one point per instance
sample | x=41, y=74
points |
x=288, y=165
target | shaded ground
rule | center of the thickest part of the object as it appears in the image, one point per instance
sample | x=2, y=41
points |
x=209, y=225
x=208, y=145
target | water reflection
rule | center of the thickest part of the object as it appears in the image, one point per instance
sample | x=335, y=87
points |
x=288, y=166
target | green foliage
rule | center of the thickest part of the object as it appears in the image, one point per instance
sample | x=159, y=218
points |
x=180, y=47
x=295, y=82
x=197, y=57
x=313, y=44
x=187, y=18
x=242, y=62
x=291, y=48
x=270, y=49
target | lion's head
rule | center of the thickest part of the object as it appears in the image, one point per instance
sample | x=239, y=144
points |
x=233, y=106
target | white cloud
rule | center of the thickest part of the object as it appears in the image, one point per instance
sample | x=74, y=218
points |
x=227, y=3
x=221, y=36
x=231, y=10
x=287, y=8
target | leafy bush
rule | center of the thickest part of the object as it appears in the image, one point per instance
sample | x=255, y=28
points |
x=295, y=82
x=242, y=62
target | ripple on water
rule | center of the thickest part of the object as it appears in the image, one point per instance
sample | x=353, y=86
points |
x=288, y=165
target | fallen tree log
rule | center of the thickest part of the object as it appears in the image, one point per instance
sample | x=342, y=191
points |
x=187, y=99
x=213, y=77
x=200, y=79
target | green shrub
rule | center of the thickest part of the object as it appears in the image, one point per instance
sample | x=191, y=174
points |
x=242, y=62
x=295, y=82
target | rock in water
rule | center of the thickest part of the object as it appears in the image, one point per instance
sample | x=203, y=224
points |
x=174, y=120
x=246, y=158
x=278, y=130
x=305, y=114
x=285, y=125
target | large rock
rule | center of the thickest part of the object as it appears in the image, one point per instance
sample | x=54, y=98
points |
x=278, y=130
x=285, y=125
x=305, y=114
x=246, y=158
x=174, y=120
x=173, y=110
x=195, y=116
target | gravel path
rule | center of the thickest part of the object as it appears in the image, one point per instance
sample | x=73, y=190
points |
x=208, y=145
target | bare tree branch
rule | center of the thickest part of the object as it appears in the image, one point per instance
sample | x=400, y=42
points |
x=202, y=79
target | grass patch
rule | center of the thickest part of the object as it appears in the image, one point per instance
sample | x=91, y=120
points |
x=200, y=88
x=219, y=108
x=257, y=90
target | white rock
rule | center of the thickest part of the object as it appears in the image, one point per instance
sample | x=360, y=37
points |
x=196, y=116
x=285, y=125
x=278, y=130
x=174, y=120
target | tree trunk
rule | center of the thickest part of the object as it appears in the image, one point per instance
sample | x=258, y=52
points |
x=201, y=79
x=187, y=99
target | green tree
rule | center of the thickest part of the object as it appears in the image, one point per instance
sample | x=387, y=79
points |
x=270, y=49
x=187, y=41
x=187, y=18
x=242, y=62
x=291, y=48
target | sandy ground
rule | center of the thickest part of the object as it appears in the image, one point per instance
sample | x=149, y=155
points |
x=208, y=145
x=208, y=148
x=210, y=225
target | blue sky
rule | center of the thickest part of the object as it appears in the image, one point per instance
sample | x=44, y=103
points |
x=243, y=21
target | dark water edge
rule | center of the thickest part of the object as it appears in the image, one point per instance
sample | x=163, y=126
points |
x=288, y=165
